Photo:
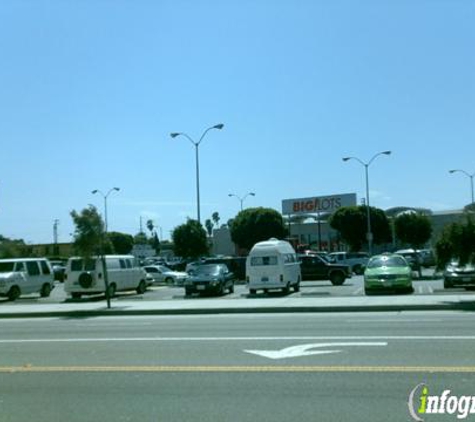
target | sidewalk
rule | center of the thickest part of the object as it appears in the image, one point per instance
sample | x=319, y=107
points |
x=200, y=306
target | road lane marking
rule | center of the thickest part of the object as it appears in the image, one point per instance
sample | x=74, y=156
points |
x=231, y=339
x=306, y=350
x=225, y=368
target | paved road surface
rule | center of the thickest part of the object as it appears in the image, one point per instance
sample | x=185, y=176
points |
x=330, y=367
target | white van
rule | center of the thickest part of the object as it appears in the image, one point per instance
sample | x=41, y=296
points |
x=23, y=276
x=272, y=264
x=86, y=276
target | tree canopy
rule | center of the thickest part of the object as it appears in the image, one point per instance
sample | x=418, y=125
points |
x=413, y=228
x=351, y=223
x=457, y=241
x=190, y=240
x=253, y=225
x=89, y=233
x=122, y=243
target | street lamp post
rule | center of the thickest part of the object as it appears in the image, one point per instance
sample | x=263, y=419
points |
x=241, y=199
x=105, y=202
x=470, y=176
x=369, y=234
x=197, y=144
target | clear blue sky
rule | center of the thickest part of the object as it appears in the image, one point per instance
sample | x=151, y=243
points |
x=91, y=89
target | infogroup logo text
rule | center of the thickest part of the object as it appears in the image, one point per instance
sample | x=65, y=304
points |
x=422, y=403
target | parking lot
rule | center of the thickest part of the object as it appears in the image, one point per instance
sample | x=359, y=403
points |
x=430, y=284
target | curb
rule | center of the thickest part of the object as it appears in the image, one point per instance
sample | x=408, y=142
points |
x=460, y=306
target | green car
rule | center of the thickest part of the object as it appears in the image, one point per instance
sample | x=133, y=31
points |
x=388, y=272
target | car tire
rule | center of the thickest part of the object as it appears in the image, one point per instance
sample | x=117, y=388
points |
x=231, y=288
x=169, y=280
x=337, y=278
x=286, y=289
x=14, y=293
x=85, y=280
x=142, y=287
x=447, y=284
x=368, y=292
x=76, y=295
x=45, y=290
x=297, y=287
x=188, y=292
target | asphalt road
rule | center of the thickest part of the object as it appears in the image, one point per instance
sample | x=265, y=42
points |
x=325, y=367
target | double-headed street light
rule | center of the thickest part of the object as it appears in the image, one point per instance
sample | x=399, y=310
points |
x=369, y=234
x=241, y=199
x=470, y=176
x=105, y=202
x=197, y=144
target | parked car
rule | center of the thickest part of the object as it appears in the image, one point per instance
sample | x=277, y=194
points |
x=163, y=274
x=356, y=260
x=59, y=270
x=22, y=276
x=456, y=275
x=388, y=272
x=427, y=257
x=272, y=265
x=210, y=278
x=412, y=257
x=86, y=276
x=315, y=267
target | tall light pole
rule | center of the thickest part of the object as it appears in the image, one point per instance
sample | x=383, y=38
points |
x=197, y=144
x=241, y=199
x=369, y=234
x=470, y=176
x=105, y=202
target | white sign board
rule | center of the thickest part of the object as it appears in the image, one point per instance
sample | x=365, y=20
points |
x=318, y=204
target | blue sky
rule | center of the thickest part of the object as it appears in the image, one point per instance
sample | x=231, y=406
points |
x=91, y=89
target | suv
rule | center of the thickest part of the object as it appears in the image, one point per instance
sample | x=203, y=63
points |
x=314, y=267
x=356, y=260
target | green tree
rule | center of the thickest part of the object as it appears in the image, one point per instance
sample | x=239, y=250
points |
x=89, y=234
x=13, y=248
x=413, y=228
x=253, y=225
x=209, y=227
x=140, y=239
x=351, y=224
x=215, y=216
x=122, y=243
x=457, y=241
x=189, y=240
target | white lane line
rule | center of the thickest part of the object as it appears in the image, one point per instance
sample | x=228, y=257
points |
x=231, y=339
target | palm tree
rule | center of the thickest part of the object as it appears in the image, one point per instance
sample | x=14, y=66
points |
x=216, y=218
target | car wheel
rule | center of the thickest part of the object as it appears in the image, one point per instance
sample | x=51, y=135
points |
x=76, y=295
x=188, y=292
x=14, y=293
x=297, y=287
x=368, y=292
x=447, y=284
x=221, y=289
x=142, y=287
x=45, y=290
x=231, y=288
x=169, y=280
x=286, y=289
x=337, y=278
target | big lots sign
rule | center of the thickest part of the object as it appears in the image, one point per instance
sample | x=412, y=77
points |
x=318, y=204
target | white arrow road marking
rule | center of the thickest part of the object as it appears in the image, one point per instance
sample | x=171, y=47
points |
x=306, y=350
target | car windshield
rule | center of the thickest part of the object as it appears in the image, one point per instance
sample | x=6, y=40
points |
x=207, y=270
x=164, y=269
x=387, y=261
x=6, y=267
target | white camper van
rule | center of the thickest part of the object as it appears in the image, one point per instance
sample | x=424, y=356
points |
x=22, y=276
x=272, y=264
x=86, y=276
